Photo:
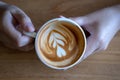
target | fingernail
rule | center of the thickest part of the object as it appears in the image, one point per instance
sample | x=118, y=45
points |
x=29, y=27
x=61, y=16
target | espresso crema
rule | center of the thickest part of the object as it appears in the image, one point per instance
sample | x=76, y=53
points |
x=60, y=43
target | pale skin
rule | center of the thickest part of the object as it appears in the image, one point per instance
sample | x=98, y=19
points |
x=12, y=22
x=102, y=26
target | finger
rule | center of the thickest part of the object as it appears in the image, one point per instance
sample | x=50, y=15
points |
x=22, y=19
x=61, y=16
x=80, y=20
x=9, y=43
x=92, y=45
x=14, y=35
x=84, y=20
x=26, y=48
x=9, y=28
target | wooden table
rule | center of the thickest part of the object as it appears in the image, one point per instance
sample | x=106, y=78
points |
x=17, y=65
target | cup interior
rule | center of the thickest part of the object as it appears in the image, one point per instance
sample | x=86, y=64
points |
x=80, y=56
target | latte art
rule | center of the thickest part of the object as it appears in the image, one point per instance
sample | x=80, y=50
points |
x=58, y=43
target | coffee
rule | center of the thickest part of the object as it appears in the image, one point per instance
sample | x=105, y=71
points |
x=60, y=43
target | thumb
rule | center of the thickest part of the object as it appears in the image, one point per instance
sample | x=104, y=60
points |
x=83, y=20
x=92, y=46
x=80, y=20
x=23, y=20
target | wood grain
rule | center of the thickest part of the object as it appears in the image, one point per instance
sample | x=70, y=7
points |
x=17, y=65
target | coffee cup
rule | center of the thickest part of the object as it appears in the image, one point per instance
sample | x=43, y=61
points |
x=60, y=43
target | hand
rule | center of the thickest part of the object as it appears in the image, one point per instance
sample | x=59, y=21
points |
x=102, y=26
x=13, y=21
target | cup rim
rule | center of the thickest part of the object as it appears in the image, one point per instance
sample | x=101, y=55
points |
x=37, y=50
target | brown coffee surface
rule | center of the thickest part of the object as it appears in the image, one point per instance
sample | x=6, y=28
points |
x=60, y=43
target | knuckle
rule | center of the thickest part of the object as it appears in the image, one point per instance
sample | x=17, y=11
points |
x=10, y=7
x=19, y=43
x=23, y=41
x=102, y=44
x=26, y=19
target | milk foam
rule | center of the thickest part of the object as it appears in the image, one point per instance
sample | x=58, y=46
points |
x=58, y=44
